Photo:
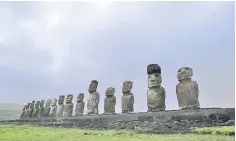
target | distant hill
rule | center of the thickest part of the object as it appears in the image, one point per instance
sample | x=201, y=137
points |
x=10, y=111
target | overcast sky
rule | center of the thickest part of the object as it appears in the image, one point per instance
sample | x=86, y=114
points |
x=53, y=48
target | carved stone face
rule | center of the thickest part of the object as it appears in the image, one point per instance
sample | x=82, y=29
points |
x=42, y=103
x=127, y=86
x=80, y=97
x=61, y=99
x=26, y=107
x=93, y=86
x=37, y=104
x=53, y=102
x=32, y=104
x=154, y=80
x=110, y=91
x=47, y=104
x=69, y=98
x=184, y=73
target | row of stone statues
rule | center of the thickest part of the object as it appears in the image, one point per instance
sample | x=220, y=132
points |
x=186, y=90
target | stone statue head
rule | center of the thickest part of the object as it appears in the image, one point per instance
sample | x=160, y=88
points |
x=80, y=97
x=53, y=102
x=32, y=104
x=61, y=99
x=37, y=104
x=69, y=98
x=93, y=86
x=153, y=68
x=127, y=86
x=154, y=80
x=184, y=73
x=48, y=102
x=27, y=106
x=42, y=103
x=110, y=91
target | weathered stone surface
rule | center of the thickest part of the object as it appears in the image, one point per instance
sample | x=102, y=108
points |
x=53, y=108
x=31, y=109
x=41, y=108
x=93, y=98
x=110, y=101
x=68, y=110
x=47, y=108
x=24, y=111
x=127, y=97
x=180, y=121
x=61, y=106
x=79, y=109
x=36, y=110
x=187, y=90
x=153, y=68
x=155, y=94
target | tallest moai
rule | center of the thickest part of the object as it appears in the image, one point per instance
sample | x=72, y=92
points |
x=155, y=94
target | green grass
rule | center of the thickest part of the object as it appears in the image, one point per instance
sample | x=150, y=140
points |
x=34, y=133
x=223, y=130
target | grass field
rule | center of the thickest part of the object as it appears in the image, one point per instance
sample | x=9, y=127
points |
x=33, y=133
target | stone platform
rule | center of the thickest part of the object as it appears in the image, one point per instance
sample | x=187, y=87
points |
x=174, y=121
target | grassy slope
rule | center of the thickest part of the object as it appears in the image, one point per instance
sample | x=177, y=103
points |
x=10, y=111
x=30, y=133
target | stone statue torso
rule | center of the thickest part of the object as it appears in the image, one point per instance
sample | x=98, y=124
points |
x=127, y=103
x=156, y=98
x=68, y=110
x=92, y=105
x=46, y=111
x=79, y=110
x=109, y=104
x=60, y=109
x=187, y=94
x=53, y=111
x=36, y=112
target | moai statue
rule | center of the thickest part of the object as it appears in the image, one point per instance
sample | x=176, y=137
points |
x=127, y=98
x=155, y=94
x=79, y=109
x=24, y=111
x=187, y=90
x=27, y=111
x=36, y=110
x=110, y=101
x=41, y=108
x=93, y=99
x=68, y=110
x=31, y=109
x=47, y=108
x=53, y=109
x=60, y=107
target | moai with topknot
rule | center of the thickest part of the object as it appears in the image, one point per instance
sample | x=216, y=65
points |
x=24, y=111
x=31, y=109
x=61, y=106
x=68, y=110
x=127, y=97
x=53, y=108
x=36, y=110
x=110, y=101
x=156, y=93
x=187, y=90
x=47, y=108
x=93, y=98
x=41, y=108
x=79, y=109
